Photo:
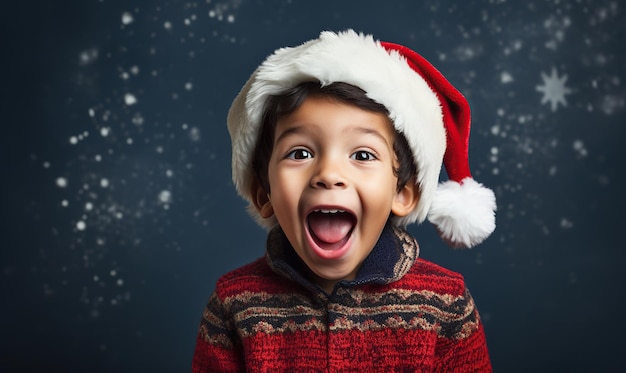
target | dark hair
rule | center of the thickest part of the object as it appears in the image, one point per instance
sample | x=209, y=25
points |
x=288, y=102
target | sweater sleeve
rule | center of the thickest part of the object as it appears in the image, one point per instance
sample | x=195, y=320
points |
x=462, y=346
x=218, y=348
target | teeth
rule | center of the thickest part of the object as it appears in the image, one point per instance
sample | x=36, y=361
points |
x=329, y=211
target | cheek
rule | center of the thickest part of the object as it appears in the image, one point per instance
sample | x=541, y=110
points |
x=279, y=178
x=378, y=180
x=378, y=192
x=284, y=188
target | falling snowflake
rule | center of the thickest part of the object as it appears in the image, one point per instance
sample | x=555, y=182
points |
x=554, y=89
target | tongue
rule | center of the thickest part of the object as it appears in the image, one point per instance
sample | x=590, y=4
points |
x=330, y=228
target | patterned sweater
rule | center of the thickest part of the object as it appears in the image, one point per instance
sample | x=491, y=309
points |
x=401, y=314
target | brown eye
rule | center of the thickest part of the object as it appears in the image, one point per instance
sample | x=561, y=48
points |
x=300, y=154
x=363, y=155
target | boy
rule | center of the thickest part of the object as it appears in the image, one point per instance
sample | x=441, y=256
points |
x=338, y=145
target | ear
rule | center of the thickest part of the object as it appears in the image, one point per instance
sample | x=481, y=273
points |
x=261, y=200
x=406, y=199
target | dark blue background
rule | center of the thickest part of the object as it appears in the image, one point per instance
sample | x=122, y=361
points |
x=150, y=180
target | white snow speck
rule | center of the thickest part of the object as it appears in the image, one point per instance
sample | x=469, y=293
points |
x=104, y=131
x=80, y=225
x=104, y=183
x=495, y=130
x=194, y=134
x=612, y=103
x=167, y=25
x=506, y=77
x=138, y=119
x=87, y=56
x=165, y=196
x=92, y=113
x=73, y=140
x=88, y=206
x=189, y=86
x=65, y=203
x=61, y=182
x=494, y=155
x=552, y=171
x=579, y=147
x=164, y=199
x=566, y=224
x=130, y=99
x=127, y=18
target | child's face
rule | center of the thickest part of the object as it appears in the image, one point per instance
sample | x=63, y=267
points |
x=332, y=185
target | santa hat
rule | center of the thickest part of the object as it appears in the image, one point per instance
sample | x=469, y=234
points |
x=423, y=106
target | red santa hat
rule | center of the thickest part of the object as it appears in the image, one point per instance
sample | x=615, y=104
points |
x=423, y=106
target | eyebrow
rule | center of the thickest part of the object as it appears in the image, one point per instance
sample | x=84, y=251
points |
x=368, y=131
x=288, y=132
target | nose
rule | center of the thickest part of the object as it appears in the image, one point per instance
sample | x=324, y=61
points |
x=328, y=174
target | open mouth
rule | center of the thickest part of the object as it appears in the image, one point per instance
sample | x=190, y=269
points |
x=330, y=230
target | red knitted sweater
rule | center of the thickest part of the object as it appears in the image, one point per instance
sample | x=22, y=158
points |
x=401, y=314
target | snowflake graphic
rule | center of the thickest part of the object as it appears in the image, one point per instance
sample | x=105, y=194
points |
x=554, y=89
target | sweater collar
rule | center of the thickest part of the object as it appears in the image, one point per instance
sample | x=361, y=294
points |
x=390, y=259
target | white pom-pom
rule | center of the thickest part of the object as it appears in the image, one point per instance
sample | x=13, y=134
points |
x=464, y=213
